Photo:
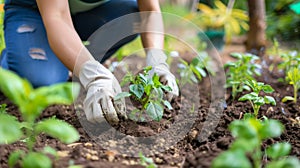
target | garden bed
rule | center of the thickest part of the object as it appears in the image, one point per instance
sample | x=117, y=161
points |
x=188, y=152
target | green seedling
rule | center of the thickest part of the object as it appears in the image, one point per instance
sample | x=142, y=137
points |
x=195, y=71
x=245, y=67
x=147, y=92
x=254, y=98
x=293, y=76
x=147, y=162
x=290, y=60
x=31, y=102
x=246, y=151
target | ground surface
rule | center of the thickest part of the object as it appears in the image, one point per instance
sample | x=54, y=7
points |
x=188, y=152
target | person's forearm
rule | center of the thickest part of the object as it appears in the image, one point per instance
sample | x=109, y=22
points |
x=67, y=45
x=152, y=24
x=62, y=37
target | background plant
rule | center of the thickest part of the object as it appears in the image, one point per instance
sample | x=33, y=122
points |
x=221, y=17
x=290, y=60
x=293, y=76
x=31, y=102
x=255, y=98
x=194, y=71
x=148, y=92
x=249, y=135
x=244, y=68
x=286, y=18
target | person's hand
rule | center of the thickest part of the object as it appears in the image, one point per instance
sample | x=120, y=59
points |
x=157, y=59
x=101, y=86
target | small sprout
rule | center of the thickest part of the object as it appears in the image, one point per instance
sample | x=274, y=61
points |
x=293, y=76
x=31, y=102
x=255, y=99
x=147, y=93
x=245, y=67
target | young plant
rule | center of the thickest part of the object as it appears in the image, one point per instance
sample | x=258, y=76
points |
x=245, y=67
x=31, y=102
x=290, y=60
x=293, y=76
x=246, y=151
x=146, y=92
x=195, y=71
x=255, y=99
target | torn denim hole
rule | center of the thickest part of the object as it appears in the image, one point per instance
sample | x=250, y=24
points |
x=37, y=54
x=25, y=29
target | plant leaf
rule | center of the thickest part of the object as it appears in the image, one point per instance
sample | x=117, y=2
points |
x=166, y=88
x=36, y=160
x=271, y=129
x=246, y=145
x=156, y=81
x=14, y=87
x=267, y=89
x=270, y=100
x=279, y=150
x=168, y=104
x=148, y=89
x=50, y=150
x=121, y=95
x=143, y=78
x=236, y=55
x=147, y=69
x=137, y=90
x=58, y=129
x=242, y=129
x=287, y=98
x=155, y=111
x=259, y=101
x=127, y=78
x=14, y=157
x=290, y=162
x=9, y=129
x=232, y=159
x=250, y=96
x=63, y=93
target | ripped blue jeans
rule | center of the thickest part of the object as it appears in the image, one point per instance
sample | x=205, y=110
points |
x=27, y=49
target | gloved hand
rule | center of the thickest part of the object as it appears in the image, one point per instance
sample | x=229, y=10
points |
x=157, y=59
x=101, y=86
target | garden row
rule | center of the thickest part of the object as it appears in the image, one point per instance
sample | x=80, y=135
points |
x=250, y=132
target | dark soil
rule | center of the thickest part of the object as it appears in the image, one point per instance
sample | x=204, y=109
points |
x=188, y=152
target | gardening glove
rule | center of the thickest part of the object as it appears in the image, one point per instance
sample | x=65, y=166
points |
x=157, y=59
x=101, y=86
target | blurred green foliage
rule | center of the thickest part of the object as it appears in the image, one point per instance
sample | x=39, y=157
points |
x=282, y=22
x=175, y=9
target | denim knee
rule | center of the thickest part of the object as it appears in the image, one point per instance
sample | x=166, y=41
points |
x=27, y=49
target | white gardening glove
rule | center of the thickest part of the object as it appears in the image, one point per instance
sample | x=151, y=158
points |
x=157, y=59
x=101, y=86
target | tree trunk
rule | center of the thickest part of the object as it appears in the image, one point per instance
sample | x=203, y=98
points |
x=256, y=41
